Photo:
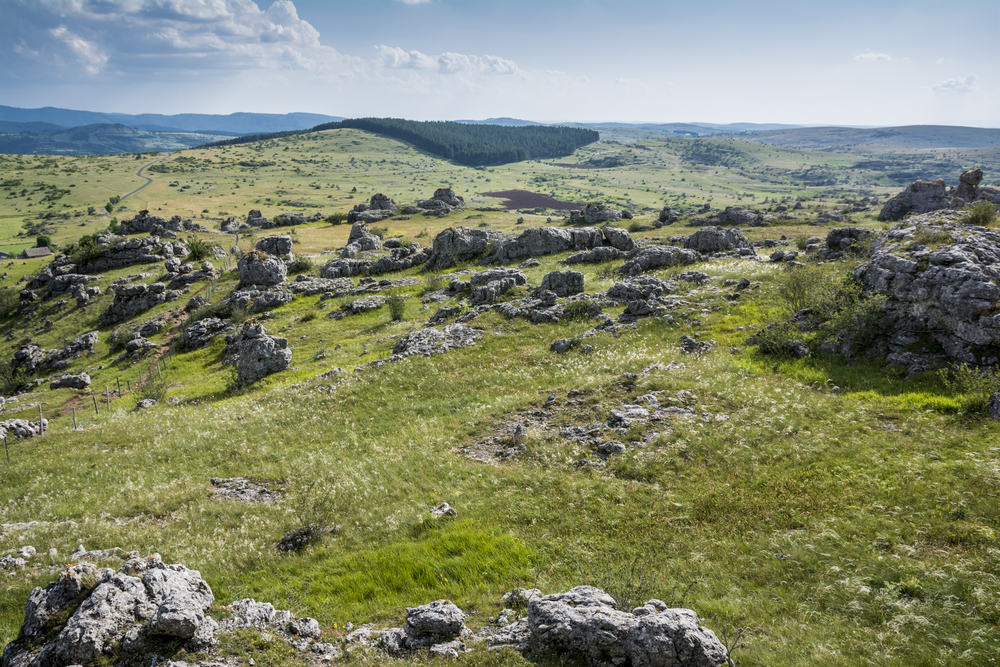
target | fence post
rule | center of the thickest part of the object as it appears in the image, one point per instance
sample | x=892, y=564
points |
x=119, y=381
x=107, y=394
x=41, y=424
x=6, y=451
x=74, y=419
x=128, y=386
x=94, y=396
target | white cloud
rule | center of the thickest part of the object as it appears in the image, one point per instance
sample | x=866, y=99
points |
x=191, y=35
x=956, y=86
x=414, y=2
x=869, y=56
x=86, y=53
x=446, y=63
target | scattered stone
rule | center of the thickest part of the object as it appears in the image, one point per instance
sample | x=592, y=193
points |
x=277, y=246
x=201, y=333
x=691, y=346
x=81, y=381
x=656, y=257
x=444, y=509
x=145, y=404
x=563, y=283
x=594, y=213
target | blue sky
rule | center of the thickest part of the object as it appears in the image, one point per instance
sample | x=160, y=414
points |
x=808, y=62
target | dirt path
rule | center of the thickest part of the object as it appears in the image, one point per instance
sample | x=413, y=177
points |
x=148, y=179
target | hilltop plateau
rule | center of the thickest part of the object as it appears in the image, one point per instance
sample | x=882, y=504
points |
x=415, y=410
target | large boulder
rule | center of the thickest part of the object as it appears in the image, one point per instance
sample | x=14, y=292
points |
x=81, y=381
x=460, y=244
x=260, y=355
x=919, y=197
x=618, y=238
x=278, y=246
x=656, y=257
x=709, y=240
x=940, y=282
x=134, y=298
x=256, y=268
x=585, y=626
x=202, y=332
x=563, y=283
x=88, y=612
x=546, y=241
x=594, y=213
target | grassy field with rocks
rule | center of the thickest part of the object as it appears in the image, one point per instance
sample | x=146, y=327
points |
x=839, y=513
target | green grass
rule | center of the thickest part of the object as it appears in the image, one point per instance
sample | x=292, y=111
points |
x=856, y=527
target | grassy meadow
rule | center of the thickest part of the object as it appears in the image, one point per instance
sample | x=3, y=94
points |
x=841, y=514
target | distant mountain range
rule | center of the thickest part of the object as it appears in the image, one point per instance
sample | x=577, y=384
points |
x=96, y=139
x=52, y=130
x=234, y=123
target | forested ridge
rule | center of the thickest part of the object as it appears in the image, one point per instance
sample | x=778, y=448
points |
x=469, y=145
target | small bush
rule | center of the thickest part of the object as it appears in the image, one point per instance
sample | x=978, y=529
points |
x=11, y=378
x=309, y=317
x=336, y=218
x=119, y=338
x=974, y=385
x=86, y=251
x=43, y=241
x=9, y=301
x=576, y=310
x=379, y=231
x=805, y=287
x=634, y=226
x=801, y=242
x=199, y=250
x=434, y=284
x=155, y=389
x=983, y=214
x=925, y=236
x=397, y=304
x=238, y=315
x=301, y=265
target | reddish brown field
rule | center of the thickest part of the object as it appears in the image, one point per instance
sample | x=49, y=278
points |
x=516, y=199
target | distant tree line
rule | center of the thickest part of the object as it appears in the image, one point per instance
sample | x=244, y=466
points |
x=465, y=144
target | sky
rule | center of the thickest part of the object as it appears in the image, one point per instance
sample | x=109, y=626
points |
x=807, y=62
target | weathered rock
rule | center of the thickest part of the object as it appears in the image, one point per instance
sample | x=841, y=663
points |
x=640, y=287
x=843, y=239
x=669, y=216
x=594, y=213
x=968, y=184
x=260, y=355
x=709, y=240
x=134, y=298
x=656, y=257
x=277, y=246
x=81, y=381
x=546, y=241
x=690, y=345
x=143, y=223
x=993, y=406
x=255, y=268
x=255, y=300
x=919, y=197
x=563, y=283
x=597, y=255
x=201, y=333
x=740, y=216
x=144, y=598
x=460, y=244
x=584, y=624
x=618, y=238
x=21, y=429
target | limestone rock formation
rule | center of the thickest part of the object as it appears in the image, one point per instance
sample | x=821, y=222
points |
x=260, y=355
x=276, y=246
x=594, y=213
x=563, y=283
x=708, y=240
x=656, y=257
x=134, y=298
x=81, y=381
x=256, y=268
x=546, y=241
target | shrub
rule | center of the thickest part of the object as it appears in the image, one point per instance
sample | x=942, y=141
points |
x=11, y=378
x=433, y=284
x=155, y=388
x=337, y=218
x=801, y=242
x=805, y=287
x=634, y=226
x=315, y=508
x=199, y=250
x=379, y=231
x=925, y=236
x=576, y=310
x=119, y=338
x=397, y=304
x=974, y=385
x=238, y=315
x=301, y=265
x=9, y=301
x=309, y=317
x=983, y=214
x=86, y=251
x=43, y=241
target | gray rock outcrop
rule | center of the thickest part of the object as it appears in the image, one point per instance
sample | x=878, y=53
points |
x=488, y=286
x=260, y=355
x=563, y=283
x=939, y=297
x=134, y=298
x=546, y=241
x=81, y=381
x=276, y=246
x=256, y=268
x=919, y=197
x=202, y=332
x=618, y=238
x=656, y=257
x=596, y=256
x=584, y=625
x=708, y=240
x=145, y=598
x=21, y=428
x=594, y=213
x=459, y=244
